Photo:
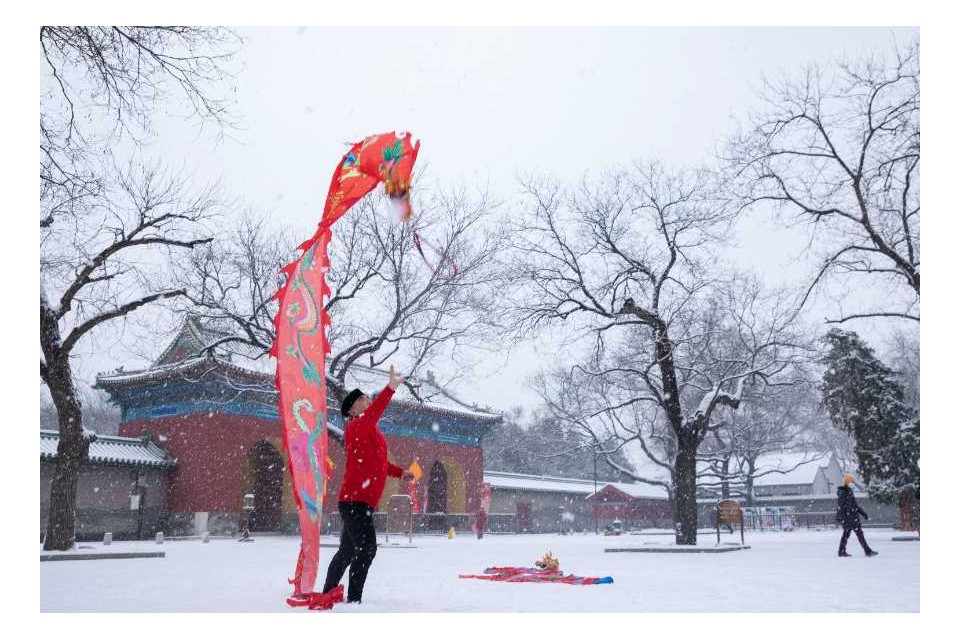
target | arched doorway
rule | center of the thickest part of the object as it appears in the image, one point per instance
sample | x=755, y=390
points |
x=437, y=496
x=437, y=489
x=268, y=474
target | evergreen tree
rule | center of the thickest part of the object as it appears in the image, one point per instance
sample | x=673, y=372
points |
x=864, y=398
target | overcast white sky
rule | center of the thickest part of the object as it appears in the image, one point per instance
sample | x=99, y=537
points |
x=489, y=105
x=506, y=101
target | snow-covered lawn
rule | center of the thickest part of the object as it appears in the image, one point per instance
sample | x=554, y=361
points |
x=795, y=571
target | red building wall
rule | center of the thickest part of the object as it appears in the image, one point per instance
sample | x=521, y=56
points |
x=211, y=451
x=212, y=471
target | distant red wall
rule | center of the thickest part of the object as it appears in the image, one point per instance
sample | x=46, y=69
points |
x=637, y=510
x=468, y=478
x=211, y=451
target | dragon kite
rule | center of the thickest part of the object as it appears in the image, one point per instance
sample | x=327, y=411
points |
x=300, y=346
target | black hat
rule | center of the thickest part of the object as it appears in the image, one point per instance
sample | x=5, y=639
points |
x=352, y=397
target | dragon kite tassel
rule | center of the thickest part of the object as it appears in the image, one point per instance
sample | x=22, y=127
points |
x=301, y=346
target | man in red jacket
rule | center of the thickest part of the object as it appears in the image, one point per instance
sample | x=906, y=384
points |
x=366, y=474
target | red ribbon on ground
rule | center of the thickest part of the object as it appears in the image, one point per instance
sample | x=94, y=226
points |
x=532, y=574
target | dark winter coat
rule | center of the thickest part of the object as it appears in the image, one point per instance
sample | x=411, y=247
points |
x=848, y=511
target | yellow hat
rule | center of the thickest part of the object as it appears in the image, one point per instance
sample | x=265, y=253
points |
x=847, y=478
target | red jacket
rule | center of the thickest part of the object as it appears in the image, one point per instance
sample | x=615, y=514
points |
x=366, y=449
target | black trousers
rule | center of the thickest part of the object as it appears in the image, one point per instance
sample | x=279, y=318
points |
x=358, y=546
x=846, y=536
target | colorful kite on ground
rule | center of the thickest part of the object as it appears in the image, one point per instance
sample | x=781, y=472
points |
x=301, y=346
x=546, y=569
x=532, y=574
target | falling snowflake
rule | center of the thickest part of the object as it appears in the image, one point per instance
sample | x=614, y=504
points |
x=366, y=483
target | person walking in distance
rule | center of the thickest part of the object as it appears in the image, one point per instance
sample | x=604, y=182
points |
x=848, y=515
x=364, y=478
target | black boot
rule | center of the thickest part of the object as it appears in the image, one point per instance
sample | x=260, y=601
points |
x=871, y=552
x=843, y=554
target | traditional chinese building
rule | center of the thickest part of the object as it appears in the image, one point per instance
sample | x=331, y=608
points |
x=217, y=416
x=636, y=506
x=121, y=489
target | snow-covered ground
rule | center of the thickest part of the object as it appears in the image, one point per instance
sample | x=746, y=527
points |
x=795, y=571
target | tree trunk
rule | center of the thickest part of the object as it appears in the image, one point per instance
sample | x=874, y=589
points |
x=909, y=511
x=685, y=490
x=73, y=447
x=61, y=519
x=685, y=467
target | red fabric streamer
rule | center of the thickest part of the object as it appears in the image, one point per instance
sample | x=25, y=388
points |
x=301, y=345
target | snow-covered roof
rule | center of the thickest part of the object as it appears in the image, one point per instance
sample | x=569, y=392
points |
x=112, y=449
x=798, y=468
x=370, y=380
x=806, y=497
x=192, y=337
x=773, y=469
x=637, y=490
x=189, y=366
x=524, y=482
x=581, y=486
x=181, y=356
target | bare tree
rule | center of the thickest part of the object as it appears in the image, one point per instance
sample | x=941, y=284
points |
x=386, y=303
x=100, y=268
x=840, y=149
x=101, y=84
x=631, y=260
x=547, y=446
x=774, y=419
x=99, y=414
x=103, y=224
x=903, y=356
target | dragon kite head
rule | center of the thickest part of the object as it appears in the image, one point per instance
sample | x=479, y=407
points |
x=384, y=157
x=396, y=171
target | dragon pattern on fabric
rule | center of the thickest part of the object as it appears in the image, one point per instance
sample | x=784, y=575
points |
x=301, y=347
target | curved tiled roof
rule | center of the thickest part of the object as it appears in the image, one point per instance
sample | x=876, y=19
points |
x=635, y=490
x=190, y=365
x=112, y=450
x=789, y=468
x=438, y=401
x=195, y=333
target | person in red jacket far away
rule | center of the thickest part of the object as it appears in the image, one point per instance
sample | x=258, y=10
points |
x=366, y=474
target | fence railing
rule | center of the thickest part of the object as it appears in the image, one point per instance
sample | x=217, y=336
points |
x=433, y=523
x=817, y=519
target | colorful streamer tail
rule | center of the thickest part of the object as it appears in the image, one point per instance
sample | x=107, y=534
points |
x=301, y=345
